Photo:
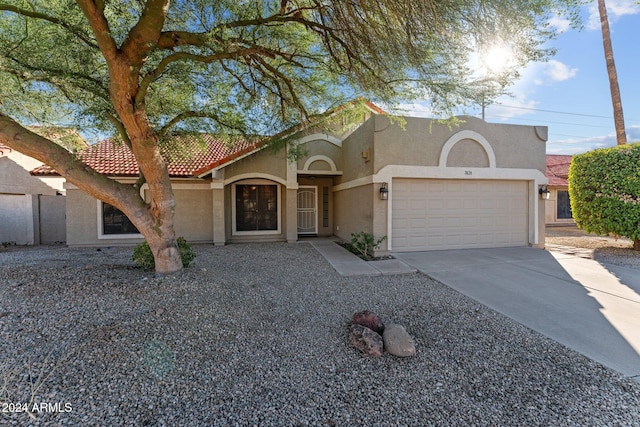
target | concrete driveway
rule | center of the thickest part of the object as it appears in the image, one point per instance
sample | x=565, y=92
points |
x=590, y=307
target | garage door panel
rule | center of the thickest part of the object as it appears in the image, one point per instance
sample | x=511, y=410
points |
x=447, y=214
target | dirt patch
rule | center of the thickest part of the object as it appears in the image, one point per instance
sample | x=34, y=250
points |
x=571, y=235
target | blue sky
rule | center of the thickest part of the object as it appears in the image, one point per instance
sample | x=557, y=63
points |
x=570, y=94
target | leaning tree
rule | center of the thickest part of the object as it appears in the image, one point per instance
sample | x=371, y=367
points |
x=140, y=69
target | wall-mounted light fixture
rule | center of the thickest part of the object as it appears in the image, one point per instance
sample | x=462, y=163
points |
x=384, y=192
x=544, y=192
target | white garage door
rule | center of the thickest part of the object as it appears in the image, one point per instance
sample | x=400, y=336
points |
x=435, y=214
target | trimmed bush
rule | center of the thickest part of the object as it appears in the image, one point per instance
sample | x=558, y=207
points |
x=143, y=257
x=604, y=187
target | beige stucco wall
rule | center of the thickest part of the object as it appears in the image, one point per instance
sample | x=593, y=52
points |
x=420, y=143
x=264, y=162
x=82, y=219
x=321, y=148
x=358, y=153
x=353, y=211
x=15, y=177
x=194, y=215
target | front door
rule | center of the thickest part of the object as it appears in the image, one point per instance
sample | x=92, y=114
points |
x=307, y=209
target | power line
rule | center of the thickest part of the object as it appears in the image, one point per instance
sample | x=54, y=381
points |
x=553, y=111
x=548, y=121
x=627, y=119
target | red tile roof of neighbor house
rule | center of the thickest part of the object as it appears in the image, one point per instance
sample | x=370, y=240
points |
x=189, y=154
x=558, y=169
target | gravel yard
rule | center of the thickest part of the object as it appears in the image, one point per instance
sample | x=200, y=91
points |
x=257, y=334
x=605, y=249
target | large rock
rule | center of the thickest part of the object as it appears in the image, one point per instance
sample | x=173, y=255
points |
x=366, y=340
x=397, y=341
x=370, y=320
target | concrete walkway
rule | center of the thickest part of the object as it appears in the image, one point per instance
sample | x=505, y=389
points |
x=564, y=294
x=348, y=264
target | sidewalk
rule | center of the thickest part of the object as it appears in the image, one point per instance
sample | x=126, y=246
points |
x=348, y=264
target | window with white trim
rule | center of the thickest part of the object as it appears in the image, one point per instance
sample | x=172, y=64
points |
x=113, y=223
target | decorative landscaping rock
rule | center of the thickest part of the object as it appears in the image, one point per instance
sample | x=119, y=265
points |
x=370, y=320
x=366, y=340
x=397, y=341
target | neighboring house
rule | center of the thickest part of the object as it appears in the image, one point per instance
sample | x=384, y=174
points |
x=32, y=209
x=472, y=186
x=558, y=206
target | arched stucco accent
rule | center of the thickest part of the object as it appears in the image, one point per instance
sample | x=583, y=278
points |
x=319, y=158
x=255, y=176
x=467, y=134
x=320, y=137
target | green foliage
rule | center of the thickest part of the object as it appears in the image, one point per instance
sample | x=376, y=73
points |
x=143, y=257
x=257, y=67
x=363, y=244
x=604, y=187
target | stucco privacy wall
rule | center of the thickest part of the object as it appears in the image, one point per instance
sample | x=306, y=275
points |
x=423, y=148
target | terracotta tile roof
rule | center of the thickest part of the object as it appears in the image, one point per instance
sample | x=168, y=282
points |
x=558, y=169
x=188, y=155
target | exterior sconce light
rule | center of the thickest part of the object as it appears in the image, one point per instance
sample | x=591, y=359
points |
x=544, y=192
x=384, y=192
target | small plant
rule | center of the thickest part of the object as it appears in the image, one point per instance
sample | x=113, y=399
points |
x=143, y=257
x=363, y=244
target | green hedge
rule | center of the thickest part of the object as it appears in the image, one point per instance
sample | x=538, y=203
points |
x=604, y=187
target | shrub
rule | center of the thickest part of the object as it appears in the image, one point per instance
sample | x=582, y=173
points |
x=604, y=187
x=363, y=244
x=143, y=257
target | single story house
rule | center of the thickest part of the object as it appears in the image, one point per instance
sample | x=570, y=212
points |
x=423, y=184
x=558, y=205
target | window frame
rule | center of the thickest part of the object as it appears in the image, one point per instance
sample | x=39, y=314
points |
x=234, y=227
x=103, y=236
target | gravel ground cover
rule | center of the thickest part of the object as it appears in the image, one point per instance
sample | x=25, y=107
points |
x=257, y=334
x=606, y=249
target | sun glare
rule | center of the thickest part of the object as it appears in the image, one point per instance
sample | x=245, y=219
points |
x=498, y=59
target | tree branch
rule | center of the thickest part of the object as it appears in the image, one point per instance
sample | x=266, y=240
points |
x=98, y=22
x=144, y=36
x=96, y=87
x=154, y=74
x=76, y=31
x=66, y=164
x=192, y=114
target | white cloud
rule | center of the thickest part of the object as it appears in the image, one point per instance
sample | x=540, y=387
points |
x=559, y=71
x=581, y=145
x=562, y=25
x=615, y=9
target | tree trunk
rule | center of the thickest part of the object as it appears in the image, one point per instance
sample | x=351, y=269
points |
x=154, y=220
x=636, y=245
x=618, y=116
